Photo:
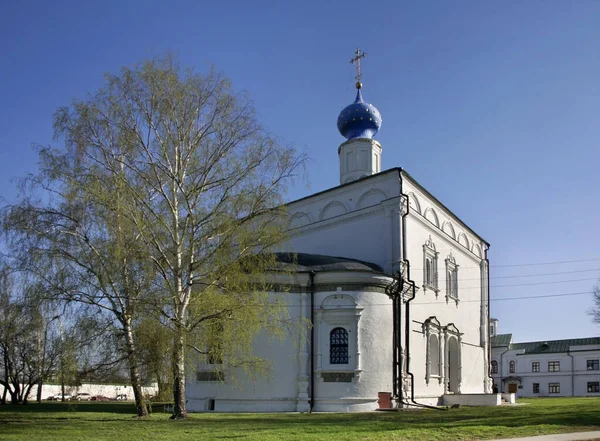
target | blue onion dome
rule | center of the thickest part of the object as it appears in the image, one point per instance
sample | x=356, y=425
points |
x=359, y=119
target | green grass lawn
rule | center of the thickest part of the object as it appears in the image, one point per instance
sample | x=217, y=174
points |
x=115, y=422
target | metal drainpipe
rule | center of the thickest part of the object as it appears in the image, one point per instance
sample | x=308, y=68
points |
x=407, y=307
x=489, y=342
x=502, y=370
x=397, y=392
x=312, y=340
x=572, y=373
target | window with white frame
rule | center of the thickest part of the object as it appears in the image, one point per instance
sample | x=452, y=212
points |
x=554, y=388
x=554, y=366
x=494, y=367
x=451, y=278
x=593, y=365
x=434, y=349
x=430, y=271
x=535, y=366
x=593, y=387
x=511, y=367
x=336, y=349
x=433, y=356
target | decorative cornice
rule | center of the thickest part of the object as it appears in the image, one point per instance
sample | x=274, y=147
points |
x=446, y=238
x=338, y=220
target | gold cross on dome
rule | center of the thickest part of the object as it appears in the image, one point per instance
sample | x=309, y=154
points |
x=356, y=59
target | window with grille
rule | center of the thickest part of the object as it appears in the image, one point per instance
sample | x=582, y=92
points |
x=593, y=365
x=494, y=367
x=554, y=388
x=553, y=366
x=536, y=388
x=535, y=366
x=511, y=367
x=338, y=346
x=593, y=386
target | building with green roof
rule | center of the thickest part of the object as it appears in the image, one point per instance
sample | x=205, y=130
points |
x=569, y=367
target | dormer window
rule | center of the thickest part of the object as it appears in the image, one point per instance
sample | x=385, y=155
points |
x=430, y=272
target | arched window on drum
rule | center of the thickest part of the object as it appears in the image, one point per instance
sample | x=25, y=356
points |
x=338, y=346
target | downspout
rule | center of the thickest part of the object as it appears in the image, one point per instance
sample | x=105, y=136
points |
x=312, y=340
x=572, y=373
x=397, y=392
x=489, y=342
x=502, y=370
x=407, y=306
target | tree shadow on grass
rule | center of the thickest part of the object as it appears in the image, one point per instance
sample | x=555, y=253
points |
x=69, y=406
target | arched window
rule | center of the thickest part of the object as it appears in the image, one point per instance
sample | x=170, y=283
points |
x=434, y=354
x=338, y=346
x=451, y=278
x=511, y=367
x=430, y=266
x=428, y=272
x=494, y=367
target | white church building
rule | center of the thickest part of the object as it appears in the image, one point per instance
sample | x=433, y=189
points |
x=395, y=285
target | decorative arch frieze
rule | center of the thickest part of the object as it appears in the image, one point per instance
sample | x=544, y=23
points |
x=414, y=203
x=464, y=240
x=476, y=250
x=371, y=197
x=432, y=216
x=333, y=209
x=448, y=228
x=300, y=219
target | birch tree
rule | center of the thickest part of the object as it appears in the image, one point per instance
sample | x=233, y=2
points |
x=69, y=229
x=196, y=186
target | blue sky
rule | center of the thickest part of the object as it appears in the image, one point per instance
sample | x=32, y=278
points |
x=493, y=107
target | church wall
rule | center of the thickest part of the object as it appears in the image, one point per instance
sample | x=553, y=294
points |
x=342, y=299
x=240, y=391
x=428, y=223
x=370, y=364
x=361, y=238
x=354, y=220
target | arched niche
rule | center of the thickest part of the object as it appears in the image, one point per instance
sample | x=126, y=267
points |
x=372, y=197
x=333, y=209
x=414, y=203
x=432, y=217
x=476, y=250
x=299, y=220
x=448, y=228
x=463, y=240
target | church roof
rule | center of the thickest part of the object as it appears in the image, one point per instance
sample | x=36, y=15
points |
x=541, y=347
x=318, y=262
x=500, y=340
